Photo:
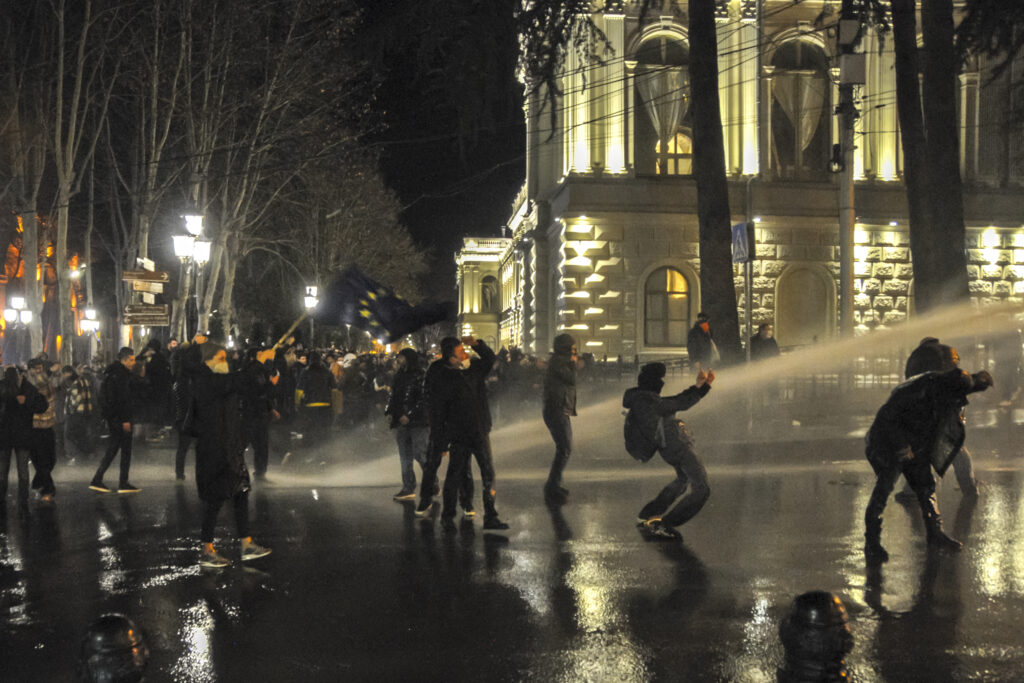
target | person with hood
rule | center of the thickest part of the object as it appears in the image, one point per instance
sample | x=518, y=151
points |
x=406, y=413
x=457, y=428
x=21, y=402
x=559, y=406
x=118, y=398
x=221, y=474
x=933, y=356
x=258, y=379
x=700, y=345
x=918, y=428
x=651, y=420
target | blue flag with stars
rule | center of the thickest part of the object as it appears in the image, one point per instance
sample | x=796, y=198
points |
x=354, y=299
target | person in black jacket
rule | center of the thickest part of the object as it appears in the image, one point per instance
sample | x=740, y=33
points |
x=118, y=399
x=257, y=410
x=457, y=427
x=700, y=345
x=559, y=406
x=763, y=344
x=406, y=413
x=20, y=401
x=682, y=499
x=185, y=363
x=314, y=391
x=918, y=428
x=221, y=474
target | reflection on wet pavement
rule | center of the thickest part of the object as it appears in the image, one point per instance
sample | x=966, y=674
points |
x=359, y=589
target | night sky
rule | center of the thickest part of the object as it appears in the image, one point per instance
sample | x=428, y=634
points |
x=449, y=122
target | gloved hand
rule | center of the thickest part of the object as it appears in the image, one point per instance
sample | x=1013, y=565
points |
x=983, y=379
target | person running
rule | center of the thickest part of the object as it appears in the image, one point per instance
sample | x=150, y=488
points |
x=652, y=425
x=559, y=406
x=118, y=398
x=918, y=428
x=221, y=474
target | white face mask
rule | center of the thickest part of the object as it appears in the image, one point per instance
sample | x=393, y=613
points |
x=220, y=368
x=465, y=363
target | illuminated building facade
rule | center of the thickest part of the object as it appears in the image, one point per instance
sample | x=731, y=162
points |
x=604, y=233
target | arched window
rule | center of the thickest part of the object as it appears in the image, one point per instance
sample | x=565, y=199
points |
x=804, y=305
x=489, y=295
x=800, y=109
x=666, y=308
x=662, y=94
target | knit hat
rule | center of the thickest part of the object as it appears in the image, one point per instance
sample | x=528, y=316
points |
x=650, y=377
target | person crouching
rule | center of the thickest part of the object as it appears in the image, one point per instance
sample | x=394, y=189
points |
x=653, y=419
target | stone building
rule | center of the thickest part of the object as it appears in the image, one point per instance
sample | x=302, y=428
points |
x=604, y=232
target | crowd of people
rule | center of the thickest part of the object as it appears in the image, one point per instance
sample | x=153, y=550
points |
x=223, y=402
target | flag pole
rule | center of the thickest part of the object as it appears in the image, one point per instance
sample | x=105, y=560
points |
x=290, y=330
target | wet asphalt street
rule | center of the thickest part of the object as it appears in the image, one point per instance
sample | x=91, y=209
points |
x=358, y=589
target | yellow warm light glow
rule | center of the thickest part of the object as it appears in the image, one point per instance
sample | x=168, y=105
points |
x=861, y=237
x=1018, y=239
x=594, y=343
x=605, y=262
x=580, y=228
x=990, y=255
x=611, y=294
x=609, y=327
x=578, y=295
x=594, y=277
x=990, y=238
x=577, y=326
x=583, y=246
x=580, y=262
x=860, y=253
x=593, y=310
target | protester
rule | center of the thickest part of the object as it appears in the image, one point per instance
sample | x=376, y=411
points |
x=221, y=474
x=257, y=408
x=78, y=412
x=559, y=406
x=700, y=343
x=313, y=392
x=763, y=344
x=917, y=429
x=118, y=398
x=184, y=365
x=21, y=402
x=44, y=446
x=652, y=426
x=406, y=413
x=456, y=427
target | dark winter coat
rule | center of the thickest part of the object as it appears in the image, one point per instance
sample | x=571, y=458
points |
x=407, y=396
x=256, y=391
x=560, y=383
x=700, y=346
x=455, y=409
x=479, y=370
x=922, y=418
x=931, y=356
x=761, y=348
x=121, y=391
x=220, y=461
x=186, y=362
x=315, y=383
x=16, y=429
x=655, y=413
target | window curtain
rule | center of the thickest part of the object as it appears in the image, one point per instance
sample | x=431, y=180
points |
x=665, y=92
x=801, y=94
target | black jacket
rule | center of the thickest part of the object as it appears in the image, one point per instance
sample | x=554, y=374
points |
x=315, y=383
x=16, y=430
x=407, y=397
x=699, y=346
x=560, y=384
x=761, y=348
x=120, y=391
x=256, y=390
x=455, y=409
x=655, y=413
x=923, y=415
x=220, y=447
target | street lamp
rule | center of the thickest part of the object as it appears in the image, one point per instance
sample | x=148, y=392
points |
x=310, y=301
x=194, y=224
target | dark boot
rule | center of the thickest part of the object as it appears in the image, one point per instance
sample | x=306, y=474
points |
x=873, y=549
x=937, y=538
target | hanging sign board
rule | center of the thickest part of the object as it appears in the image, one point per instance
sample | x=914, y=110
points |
x=145, y=276
x=151, y=287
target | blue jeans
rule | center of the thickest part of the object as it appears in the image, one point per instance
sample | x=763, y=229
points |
x=412, y=447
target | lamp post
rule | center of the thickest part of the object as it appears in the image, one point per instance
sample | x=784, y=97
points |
x=310, y=301
x=201, y=255
x=17, y=318
x=90, y=326
x=183, y=248
x=191, y=251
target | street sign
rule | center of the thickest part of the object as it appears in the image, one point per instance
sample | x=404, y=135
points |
x=146, y=309
x=742, y=242
x=147, y=320
x=146, y=264
x=148, y=298
x=145, y=276
x=151, y=287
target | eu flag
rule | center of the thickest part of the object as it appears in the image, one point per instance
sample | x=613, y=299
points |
x=354, y=299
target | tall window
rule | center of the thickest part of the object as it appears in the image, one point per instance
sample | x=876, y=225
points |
x=800, y=110
x=666, y=308
x=663, y=142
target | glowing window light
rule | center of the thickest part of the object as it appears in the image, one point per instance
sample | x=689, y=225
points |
x=1018, y=239
x=580, y=262
x=610, y=294
x=990, y=255
x=594, y=277
x=606, y=328
x=594, y=343
x=580, y=228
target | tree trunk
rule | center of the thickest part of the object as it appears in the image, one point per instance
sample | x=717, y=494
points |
x=33, y=295
x=66, y=322
x=231, y=258
x=943, y=149
x=718, y=290
x=928, y=279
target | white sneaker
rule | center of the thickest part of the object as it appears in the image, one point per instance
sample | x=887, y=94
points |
x=253, y=551
x=211, y=558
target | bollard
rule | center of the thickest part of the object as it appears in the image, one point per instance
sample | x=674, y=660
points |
x=113, y=651
x=816, y=638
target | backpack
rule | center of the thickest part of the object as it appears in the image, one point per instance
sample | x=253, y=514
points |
x=639, y=444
